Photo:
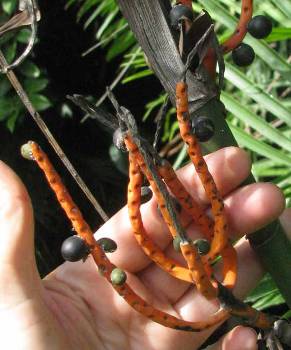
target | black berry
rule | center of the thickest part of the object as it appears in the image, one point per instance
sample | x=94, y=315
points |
x=203, y=128
x=178, y=14
x=202, y=246
x=260, y=27
x=243, y=55
x=118, y=277
x=107, y=244
x=146, y=194
x=74, y=248
x=118, y=140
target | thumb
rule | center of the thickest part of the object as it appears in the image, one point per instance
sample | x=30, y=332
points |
x=19, y=279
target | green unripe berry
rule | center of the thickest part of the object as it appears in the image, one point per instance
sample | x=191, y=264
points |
x=202, y=246
x=26, y=151
x=107, y=244
x=118, y=277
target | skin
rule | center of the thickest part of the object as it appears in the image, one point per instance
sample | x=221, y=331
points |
x=75, y=308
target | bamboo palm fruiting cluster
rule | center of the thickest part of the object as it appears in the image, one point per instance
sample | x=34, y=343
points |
x=144, y=161
x=198, y=269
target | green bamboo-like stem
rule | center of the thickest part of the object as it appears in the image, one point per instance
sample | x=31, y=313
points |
x=158, y=43
x=270, y=243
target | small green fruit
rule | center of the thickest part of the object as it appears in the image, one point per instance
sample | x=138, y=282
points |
x=118, y=277
x=107, y=244
x=202, y=245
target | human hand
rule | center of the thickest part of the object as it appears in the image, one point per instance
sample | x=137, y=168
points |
x=75, y=308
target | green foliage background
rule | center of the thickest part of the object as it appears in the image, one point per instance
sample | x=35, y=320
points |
x=257, y=98
x=32, y=78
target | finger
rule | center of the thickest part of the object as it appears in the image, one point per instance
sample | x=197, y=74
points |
x=250, y=203
x=229, y=166
x=285, y=220
x=251, y=207
x=239, y=338
x=192, y=306
x=18, y=272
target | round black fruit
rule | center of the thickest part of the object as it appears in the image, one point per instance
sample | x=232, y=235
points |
x=260, y=27
x=179, y=13
x=74, y=248
x=203, y=128
x=243, y=55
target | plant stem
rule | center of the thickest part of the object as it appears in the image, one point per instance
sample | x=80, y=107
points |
x=45, y=130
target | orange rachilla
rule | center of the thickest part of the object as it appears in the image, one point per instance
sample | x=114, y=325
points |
x=241, y=28
x=106, y=267
x=200, y=272
x=34, y=152
x=220, y=238
x=228, y=254
x=196, y=271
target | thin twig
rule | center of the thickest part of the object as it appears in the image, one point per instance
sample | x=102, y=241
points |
x=32, y=14
x=43, y=127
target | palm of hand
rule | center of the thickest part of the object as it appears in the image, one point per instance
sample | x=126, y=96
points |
x=74, y=307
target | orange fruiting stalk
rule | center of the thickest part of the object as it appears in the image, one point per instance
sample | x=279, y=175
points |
x=229, y=266
x=233, y=41
x=204, y=223
x=149, y=247
x=101, y=260
x=220, y=239
x=229, y=269
x=241, y=29
x=197, y=272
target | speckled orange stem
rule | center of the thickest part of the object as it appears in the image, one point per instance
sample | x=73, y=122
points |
x=104, y=264
x=149, y=247
x=233, y=41
x=220, y=239
x=198, y=272
x=241, y=29
x=188, y=203
x=205, y=224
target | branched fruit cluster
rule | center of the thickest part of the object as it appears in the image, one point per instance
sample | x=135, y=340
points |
x=145, y=163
